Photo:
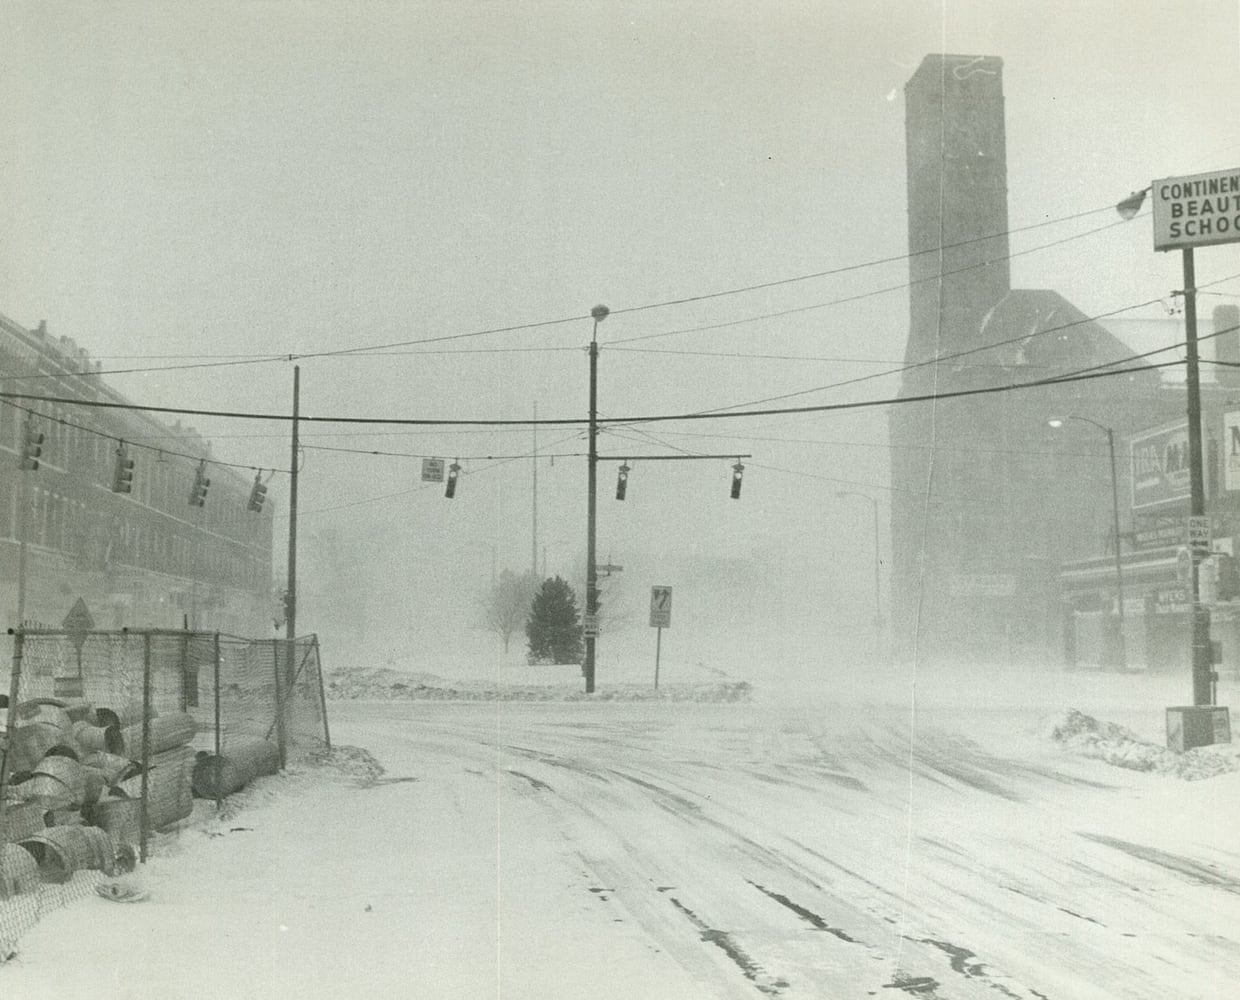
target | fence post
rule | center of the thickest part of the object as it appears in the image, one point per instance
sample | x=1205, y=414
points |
x=218, y=721
x=146, y=744
x=14, y=692
x=280, y=739
x=318, y=666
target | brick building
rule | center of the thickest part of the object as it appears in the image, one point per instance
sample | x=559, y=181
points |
x=145, y=559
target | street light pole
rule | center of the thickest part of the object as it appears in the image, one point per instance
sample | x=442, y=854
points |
x=1121, y=654
x=878, y=586
x=599, y=313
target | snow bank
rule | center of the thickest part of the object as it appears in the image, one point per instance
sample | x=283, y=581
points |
x=1080, y=733
x=384, y=684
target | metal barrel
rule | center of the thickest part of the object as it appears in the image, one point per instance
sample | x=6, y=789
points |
x=18, y=871
x=120, y=715
x=167, y=732
x=81, y=711
x=169, y=788
x=31, y=743
x=218, y=776
x=45, y=711
x=115, y=768
x=59, y=851
x=55, y=771
x=21, y=819
x=119, y=816
x=92, y=737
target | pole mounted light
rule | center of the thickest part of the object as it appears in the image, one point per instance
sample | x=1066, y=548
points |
x=1130, y=206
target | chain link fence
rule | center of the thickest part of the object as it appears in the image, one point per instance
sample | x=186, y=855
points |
x=110, y=736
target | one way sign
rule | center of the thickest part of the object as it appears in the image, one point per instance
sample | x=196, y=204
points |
x=660, y=607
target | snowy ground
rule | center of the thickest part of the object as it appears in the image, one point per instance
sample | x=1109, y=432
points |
x=835, y=833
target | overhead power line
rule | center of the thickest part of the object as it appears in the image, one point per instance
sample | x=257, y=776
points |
x=1104, y=369
x=862, y=295
x=378, y=349
x=575, y=421
x=896, y=258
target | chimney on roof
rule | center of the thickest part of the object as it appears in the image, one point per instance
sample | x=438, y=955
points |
x=42, y=330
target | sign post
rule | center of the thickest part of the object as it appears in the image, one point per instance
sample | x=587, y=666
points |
x=1193, y=211
x=660, y=618
x=78, y=623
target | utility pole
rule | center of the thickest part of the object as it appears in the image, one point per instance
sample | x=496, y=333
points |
x=1203, y=660
x=534, y=527
x=591, y=623
x=1178, y=225
x=23, y=518
x=290, y=608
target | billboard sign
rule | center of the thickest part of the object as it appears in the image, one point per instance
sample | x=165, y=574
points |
x=1197, y=211
x=1231, y=450
x=1160, y=467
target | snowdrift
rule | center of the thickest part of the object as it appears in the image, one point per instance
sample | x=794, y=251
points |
x=384, y=684
x=1080, y=733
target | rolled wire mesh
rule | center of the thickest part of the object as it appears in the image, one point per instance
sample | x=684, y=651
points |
x=161, y=699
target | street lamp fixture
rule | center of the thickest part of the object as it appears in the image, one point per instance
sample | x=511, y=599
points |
x=1121, y=658
x=1130, y=206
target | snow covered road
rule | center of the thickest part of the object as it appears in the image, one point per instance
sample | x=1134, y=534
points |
x=669, y=851
x=793, y=854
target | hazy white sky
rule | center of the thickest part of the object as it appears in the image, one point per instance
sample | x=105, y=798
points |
x=210, y=181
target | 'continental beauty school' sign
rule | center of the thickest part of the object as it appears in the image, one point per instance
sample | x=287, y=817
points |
x=1160, y=467
x=1197, y=211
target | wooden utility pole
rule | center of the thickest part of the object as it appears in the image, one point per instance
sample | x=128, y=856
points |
x=290, y=601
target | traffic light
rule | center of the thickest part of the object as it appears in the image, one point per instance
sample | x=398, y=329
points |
x=32, y=447
x=258, y=493
x=454, y=471
x=738, y=471
x=198, y=492
x=122, y=475
x=622, y=482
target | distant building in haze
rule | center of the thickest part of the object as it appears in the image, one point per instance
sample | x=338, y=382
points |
x=990, y=506
x=144, y=558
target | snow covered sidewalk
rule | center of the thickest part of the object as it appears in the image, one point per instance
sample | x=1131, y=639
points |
x=328, y=883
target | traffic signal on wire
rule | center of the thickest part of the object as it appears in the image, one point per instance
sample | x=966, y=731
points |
x=738, y=470
x=122, y=475
x=258, y=493
x=622, y=481
x=454, y=471
x=198, y=492
x=32, y=447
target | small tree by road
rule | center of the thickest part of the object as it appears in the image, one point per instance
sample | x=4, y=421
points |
x=554, y=628
x=506, y=607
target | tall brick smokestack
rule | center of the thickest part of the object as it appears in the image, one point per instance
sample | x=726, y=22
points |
x=957, y=194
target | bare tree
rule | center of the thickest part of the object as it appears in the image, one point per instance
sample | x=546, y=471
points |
x=506, y=606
